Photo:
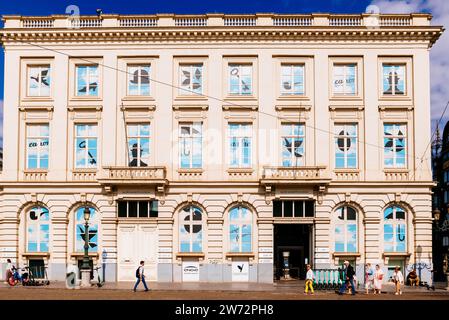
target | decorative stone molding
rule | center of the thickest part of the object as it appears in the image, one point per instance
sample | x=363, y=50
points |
x=240, y=173
x=84, y=175
x=190, y=174
x=388, y=255
x=396, y=174
x=35, y=175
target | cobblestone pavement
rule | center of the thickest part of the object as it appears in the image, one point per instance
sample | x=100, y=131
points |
x=124, y=292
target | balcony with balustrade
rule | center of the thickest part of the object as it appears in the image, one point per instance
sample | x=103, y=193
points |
x=295, y=176
x=133, y=176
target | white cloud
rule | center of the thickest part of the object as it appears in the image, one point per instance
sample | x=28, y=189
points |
x=439, y=57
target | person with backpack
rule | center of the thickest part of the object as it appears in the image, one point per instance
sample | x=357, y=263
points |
x=349, y=272
x=140, y=276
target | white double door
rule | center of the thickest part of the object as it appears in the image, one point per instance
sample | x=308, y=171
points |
x=136, y=243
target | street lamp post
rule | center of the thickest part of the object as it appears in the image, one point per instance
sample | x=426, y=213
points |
x=85, y=267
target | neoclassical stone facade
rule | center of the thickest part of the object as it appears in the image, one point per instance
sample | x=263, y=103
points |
x=209, y=146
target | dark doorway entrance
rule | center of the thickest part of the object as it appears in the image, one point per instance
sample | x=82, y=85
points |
x=294, y=238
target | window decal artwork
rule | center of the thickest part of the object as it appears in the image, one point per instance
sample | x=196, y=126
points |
x=240, y=79
x=394, y=229
x=138, y=144
x=240, y=229
x=395, y=146
x=190, y=145
x=293, y=145
x=37, y=146
x=345, y=79
x=346, y=146
x=292, y=79
x=86, y=145
x=191, y=79
x=80, y=231
x=191, y=229
x=240, y=136
x=139, y=80
x=38, y=229
x=39, y=81
x=393, y=79
x=87, y=80
x=346, y=230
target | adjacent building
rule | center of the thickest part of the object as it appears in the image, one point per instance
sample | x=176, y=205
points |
x=217, y=147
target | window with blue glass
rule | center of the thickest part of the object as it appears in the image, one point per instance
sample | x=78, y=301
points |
x=393, y=79
x=345, y=146
x=191, y=229
x=395, y=235
x=190, y=145
x=240, y=136
x=344, y=79
x=39, y=81
x=87, y=80
x=80, y=231
x=190, y=79
x=139, y=80
x=240, y=229
x=37, y=146
x=293, y=144
x=138, y=135
x=38, y=229
x=395, y=145
x=292, y=79
x=346, y=230
x=240, y=79
x=86, y=146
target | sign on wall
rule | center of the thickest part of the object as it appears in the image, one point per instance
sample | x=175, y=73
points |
x=240, y=271
x=190, y=271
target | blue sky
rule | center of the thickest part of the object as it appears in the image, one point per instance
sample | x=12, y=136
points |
x=439, y=8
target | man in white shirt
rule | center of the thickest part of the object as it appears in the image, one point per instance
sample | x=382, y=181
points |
x=140, y=276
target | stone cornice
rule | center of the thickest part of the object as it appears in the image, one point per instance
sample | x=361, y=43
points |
x=427, y=35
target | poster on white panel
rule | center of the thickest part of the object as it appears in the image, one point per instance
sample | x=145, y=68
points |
x=240, y=271
x=190, y=271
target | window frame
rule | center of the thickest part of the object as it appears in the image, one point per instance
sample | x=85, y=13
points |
x=240, y=224
x=395, y=65
x=396, y=60
x=75, y=145
x=89, y=66
x=139, y=84
x=345, y=137
x=191, y=139
x=395, y=223
x=38, y=223
x=192, y=223
x=283, y=92
x=28, y=125
x=190, y=91
x=139, y=144
x=339, y=99
x=395, y=137
x=345, y=66
x=93, y=221
x=294, y=138
x=344, y=224
x=240, y=148
x=251, y=61
x=29, y=66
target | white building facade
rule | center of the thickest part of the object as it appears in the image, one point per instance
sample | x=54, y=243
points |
x=209, y=145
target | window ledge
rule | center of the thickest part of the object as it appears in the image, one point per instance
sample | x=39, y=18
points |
x=190, y=255
x=88, y=98
x=191, y=170
x=395, y=98
x=241, y=97
x=346, y=98
x=294, y=97
x=239, y=255
x=81, y=254
x=396, y=254
x=191, y=97
x=36, y=254
x=37, y=99
x=82, y=170
x=345, y=254
x=138, y=98
x=240, y=170
x=35, y=171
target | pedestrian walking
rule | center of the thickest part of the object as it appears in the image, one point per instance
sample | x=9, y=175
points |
x=349, y=278
x=398, y=279
x=378, y=278
x=9, y=270
x=140, y=276
x=369, y=277
x=309, y=280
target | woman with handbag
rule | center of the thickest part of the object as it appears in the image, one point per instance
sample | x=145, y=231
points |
x=378, y=278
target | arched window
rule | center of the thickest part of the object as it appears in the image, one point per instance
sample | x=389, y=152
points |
x=38, y=229
x=240, y=229
x=81, y=230
x=346, y=230
x=394, y=229
x=191, y=229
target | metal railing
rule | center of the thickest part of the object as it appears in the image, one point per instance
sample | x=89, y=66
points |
x=328, y=279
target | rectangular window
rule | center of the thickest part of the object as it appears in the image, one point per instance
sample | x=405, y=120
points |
x=240, y=79
x=138, y=136
x=293, y=208
x=190, y=145
x=240, y=136
x=395, y=145
x=139, y=80
x=37, y=146
x=87, y=80
x=190, y=79
x=137, y=209
x=86, y=146
x=344, y=79
x=292, y=79
x=39, y=81
x=345, y=146
x=293, y=145
x=393, y=79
